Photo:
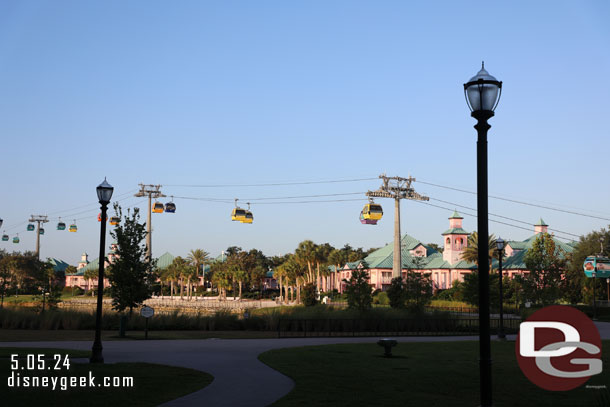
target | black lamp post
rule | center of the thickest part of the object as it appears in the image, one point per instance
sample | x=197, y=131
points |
x=482, y=94
x=500, y=244
x=104, y=194
x=594, y=307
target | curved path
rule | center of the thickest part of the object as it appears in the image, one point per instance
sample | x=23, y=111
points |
x=240, y=379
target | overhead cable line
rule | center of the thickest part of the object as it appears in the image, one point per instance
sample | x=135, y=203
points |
x=491, y=220
x=519, y=202
x=272, y=184
x=270, y=203
x=270, y=198
x=86, y=205
x=501, y=216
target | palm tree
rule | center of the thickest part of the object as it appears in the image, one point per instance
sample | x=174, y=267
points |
x=198, y=258
x=321, y=255
x=306, y=255
x=222, y=278
x=471, y=253
x=297, y=275
x=91, y=275
x=240, y=276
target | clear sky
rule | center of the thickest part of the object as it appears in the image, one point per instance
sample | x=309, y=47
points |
x=251, y=92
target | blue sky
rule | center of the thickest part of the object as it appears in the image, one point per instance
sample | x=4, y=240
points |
x=238, y=92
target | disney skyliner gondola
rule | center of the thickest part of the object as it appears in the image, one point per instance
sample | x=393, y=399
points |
x=597, y=267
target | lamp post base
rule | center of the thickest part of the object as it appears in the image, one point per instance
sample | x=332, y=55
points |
x=96, y=354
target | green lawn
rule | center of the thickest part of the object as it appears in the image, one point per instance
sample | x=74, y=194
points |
x=421, y=374
x=153, y=384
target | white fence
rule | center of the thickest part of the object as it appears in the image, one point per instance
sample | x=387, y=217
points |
x=175, y=303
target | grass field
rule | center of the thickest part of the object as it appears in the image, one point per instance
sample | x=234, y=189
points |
x=421, y=374
x=152, y=384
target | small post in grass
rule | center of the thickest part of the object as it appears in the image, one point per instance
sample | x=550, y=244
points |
x=387, y=345
x=146, y=312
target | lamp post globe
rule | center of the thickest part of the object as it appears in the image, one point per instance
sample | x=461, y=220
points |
x=482, y=93
x=104, y=194
x=500, y=243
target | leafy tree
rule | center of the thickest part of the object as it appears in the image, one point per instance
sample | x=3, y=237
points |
x=50, y=291
x=470, y=289
x=418, y=289
x=397, y=293
x=5, y=275
x=455, y=293
x=546, y=263
x=358, y=290
x=309, y=295
x=576, y=286
x=132, y=273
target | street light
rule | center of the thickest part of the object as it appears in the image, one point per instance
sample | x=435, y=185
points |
x=104, y=194
x=500, y=244
x=482, y=95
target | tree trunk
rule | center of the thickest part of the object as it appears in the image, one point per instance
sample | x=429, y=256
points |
x=188, y=288
x=280, y=290
x=240, y=283
x=181, y=288
x=171, y=289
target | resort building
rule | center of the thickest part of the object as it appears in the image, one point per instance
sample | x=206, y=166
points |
x=79, y=278
x=443, y=268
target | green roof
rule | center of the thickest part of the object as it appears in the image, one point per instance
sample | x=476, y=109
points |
x=221, y=257
x=384, y=258
x=540, y=223
x=517, y=260
x=165, y=260
x=58, y=265
x=456, y=215
x=455, y=231
x=93, y=265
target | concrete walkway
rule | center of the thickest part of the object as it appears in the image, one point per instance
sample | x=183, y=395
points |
x=240, y=379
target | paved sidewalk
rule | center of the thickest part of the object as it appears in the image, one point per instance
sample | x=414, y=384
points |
x=240, y=379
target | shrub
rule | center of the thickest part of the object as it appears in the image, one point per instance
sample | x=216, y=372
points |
x=359, y=291
x=309, y=295
x=72, y=290
x=397, y=294
x=381, y=298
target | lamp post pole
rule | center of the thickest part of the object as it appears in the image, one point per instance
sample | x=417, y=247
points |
x=500, y=244
x=104, y=193
x=482, y=96
x=594, y=307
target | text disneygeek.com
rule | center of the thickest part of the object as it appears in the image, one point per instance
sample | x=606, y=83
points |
x=22, y=368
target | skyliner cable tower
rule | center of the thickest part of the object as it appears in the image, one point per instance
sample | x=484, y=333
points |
x=38, y=219
x=397, y=188
x=150, y=191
